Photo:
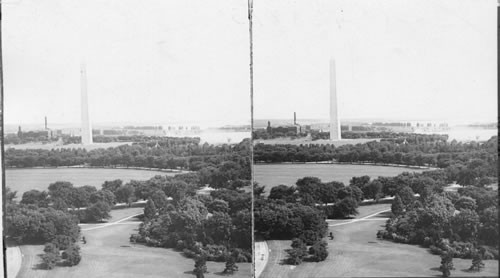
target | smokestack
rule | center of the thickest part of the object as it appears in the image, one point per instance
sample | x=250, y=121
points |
x=334, y=112
x=45, y=122
x=294, y=118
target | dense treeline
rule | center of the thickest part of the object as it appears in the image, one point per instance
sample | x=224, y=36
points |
x=27, y=223
x=214, y=227
x=480, y=160
x=184, y=153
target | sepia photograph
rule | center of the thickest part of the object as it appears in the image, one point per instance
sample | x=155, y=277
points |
x=126, y=139
x=375, y=138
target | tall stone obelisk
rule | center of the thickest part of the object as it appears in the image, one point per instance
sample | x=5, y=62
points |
x=86, y=126
x=334, y=111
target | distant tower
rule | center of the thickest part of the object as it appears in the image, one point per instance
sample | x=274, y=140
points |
x=334, y=112
x=45, y=122
x=294, y=118
x=86, y=126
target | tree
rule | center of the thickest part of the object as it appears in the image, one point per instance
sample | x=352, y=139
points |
x=218, y=227
x=103, y=195
x=72, y=255
x=345, y=208
x=62, y=242
x=160, y=199
x=35, y=197
x=372, y=190
x=298, y=252
x=282, y=192
x=50, y=259
x=112, y=185
x=218, y=205
x=446, y=263
x=397, y=206
x=477, y=261
x=465, y=224
x=465, y=202
x=407, y=196
x=200, y=265
x=231, y=258
x=150, y=209
x=50, y=248
x=97, y=212
x=319, y=251
x=124, y=194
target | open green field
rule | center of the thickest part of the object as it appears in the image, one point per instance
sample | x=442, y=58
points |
x=356, y=252
x=108, y=253
x=272, y=175
x=22, y=180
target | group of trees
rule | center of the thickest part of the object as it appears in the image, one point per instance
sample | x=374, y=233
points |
x=286, y=215
x=61, y=249
x=34, y=222
x=298, y=253
x=86, y=202
x=168, y=153
x=214, y=226
x=419, y=150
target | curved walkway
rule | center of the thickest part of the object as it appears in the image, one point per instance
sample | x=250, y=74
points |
x=14, y=259
x=112, y=223
x=365, y=218
x=261, y=257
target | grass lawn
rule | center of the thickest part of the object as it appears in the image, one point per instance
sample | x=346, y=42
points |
x=22, y=180
x=356, y=252
x=108, y=253
x=272, y=175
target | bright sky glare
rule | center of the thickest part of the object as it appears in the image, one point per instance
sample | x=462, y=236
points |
x=147, y=62
x=396, y=59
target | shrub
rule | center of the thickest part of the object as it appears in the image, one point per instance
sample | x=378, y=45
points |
x=63, y=242
x=72, y=255
x=49, y=260
x=319, y=251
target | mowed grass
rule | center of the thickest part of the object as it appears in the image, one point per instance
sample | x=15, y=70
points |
x=22, y=180
x=272, y=175
x=356, y=252
x=109, y=253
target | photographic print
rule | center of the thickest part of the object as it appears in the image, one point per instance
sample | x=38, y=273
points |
x=375, y=138
x=126, y=139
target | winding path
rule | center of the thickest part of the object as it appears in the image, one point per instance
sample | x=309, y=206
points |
x=112, y=223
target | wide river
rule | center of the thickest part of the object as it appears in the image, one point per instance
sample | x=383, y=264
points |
x=22, y=180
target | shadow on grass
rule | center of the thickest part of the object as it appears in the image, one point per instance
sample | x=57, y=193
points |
x=384, y=214
x=222, y=273
x=189, y=272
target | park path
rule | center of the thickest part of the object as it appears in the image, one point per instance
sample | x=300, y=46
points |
x=121, y=221
x=261, y=256
x=365, y=218
x=14, y=259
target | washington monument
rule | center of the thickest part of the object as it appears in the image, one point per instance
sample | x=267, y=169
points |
x=86, y=126
x=334, y=111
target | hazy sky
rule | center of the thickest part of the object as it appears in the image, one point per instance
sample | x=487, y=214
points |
x=425, y=59
x=147, y=61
